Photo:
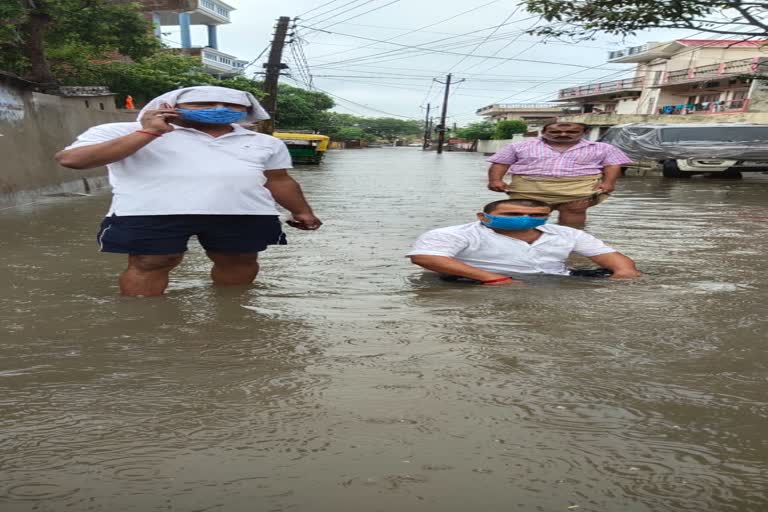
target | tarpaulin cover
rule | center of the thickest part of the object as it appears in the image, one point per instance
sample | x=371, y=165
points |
x=731, y=141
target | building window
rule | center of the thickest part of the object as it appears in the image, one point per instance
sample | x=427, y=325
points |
x=101, y=106
x=87, y=104
x=740, y=95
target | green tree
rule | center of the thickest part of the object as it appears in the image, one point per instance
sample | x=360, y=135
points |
x=300, y=109
x=584, y=19
x=38, y=35
x=476, y=131
x=507, y=129
x=390, y=128
x=350, y=133
x=331, y=123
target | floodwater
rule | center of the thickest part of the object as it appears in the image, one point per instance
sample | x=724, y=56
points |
x=346, y=381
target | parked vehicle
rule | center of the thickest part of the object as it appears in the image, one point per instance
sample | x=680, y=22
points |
x=684, y=150
x=305, y=148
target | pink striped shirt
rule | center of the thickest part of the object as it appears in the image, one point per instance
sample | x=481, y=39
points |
x=537, y=158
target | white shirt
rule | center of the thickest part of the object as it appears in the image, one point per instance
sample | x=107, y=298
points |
x=483, y=248
x=187, y=171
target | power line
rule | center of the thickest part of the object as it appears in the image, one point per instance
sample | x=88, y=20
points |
x=507, y=46
x=360, y=104
x=331, y=10
x=485, y=40
x=361, y=14
x=430, y=50
x=399, y=54
x=316, y=8
x=418, y=29
x=257, y=58
x=400, y=51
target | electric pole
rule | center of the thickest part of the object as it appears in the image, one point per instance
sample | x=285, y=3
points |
x=426, y=128
x=273, y=68
x=443, y=113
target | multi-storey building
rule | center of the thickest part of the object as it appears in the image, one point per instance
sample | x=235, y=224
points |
x=534, y=114
x=682, y=81
x=184, y=14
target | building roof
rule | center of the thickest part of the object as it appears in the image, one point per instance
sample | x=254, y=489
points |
x=719, y=43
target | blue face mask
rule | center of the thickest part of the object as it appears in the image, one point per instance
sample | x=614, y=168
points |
x=521, y=222
x=219, y=115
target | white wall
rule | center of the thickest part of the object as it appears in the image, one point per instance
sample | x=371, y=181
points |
x=492, y=146
x=627, y=106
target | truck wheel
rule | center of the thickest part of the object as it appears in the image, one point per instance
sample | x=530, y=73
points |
x=730, y=174
x=671, y=170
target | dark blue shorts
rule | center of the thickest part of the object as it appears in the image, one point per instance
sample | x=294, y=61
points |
x=169, y=234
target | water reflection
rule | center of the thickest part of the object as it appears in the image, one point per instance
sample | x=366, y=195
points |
x=346, y=377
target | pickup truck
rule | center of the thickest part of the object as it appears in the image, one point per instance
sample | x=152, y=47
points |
x=717, y=149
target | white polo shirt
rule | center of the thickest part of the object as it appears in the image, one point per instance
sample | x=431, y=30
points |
x=481, y=247
x=187, y=171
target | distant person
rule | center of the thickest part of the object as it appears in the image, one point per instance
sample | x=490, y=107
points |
x=511, y=239
x=560, y=168
x=186, y=168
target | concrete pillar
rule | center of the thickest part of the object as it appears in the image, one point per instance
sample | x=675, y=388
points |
x=186, y=38
x=213, y=41
x=156, y=25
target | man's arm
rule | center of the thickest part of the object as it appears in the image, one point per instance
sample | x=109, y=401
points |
x=496, y=174
x=612, y=161
x=94, y=155
x=611, y=174
x=622, y=266
x=454, y=267
x=287, y=192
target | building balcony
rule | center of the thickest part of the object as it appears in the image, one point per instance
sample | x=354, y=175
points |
x=220, y=63
x=713, y=72
x=522, y=109
x=600, y=89
x=713, y=107
x=201, y=12
x=642, y=53
x=214, y=61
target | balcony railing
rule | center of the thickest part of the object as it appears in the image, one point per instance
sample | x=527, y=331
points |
x=521, y=107
x=214, y=7
x=709, y=107
x=626, y=52
x=602, y=88
x=715, y=71
x=221, y=61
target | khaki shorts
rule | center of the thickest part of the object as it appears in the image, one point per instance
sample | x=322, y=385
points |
x=557, y=191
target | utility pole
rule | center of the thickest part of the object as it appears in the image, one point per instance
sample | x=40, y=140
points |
x=426, y=128
x=444, y=112
x=273, y=67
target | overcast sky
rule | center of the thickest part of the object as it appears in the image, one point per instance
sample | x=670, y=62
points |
x=368, y=76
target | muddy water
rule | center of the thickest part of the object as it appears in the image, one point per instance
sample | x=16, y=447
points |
x=346, y=381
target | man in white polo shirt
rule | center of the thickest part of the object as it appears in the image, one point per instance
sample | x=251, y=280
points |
x=510, y=239
x=187, y=169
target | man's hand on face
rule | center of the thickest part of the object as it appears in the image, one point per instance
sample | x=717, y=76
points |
x=158, y=120
x=305, y=221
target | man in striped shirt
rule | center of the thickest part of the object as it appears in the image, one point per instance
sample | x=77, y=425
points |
x=561, y=169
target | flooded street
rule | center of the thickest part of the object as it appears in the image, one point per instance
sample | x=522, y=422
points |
x=345, y=380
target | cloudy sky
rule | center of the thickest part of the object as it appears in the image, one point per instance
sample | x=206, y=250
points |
x=379, y=57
